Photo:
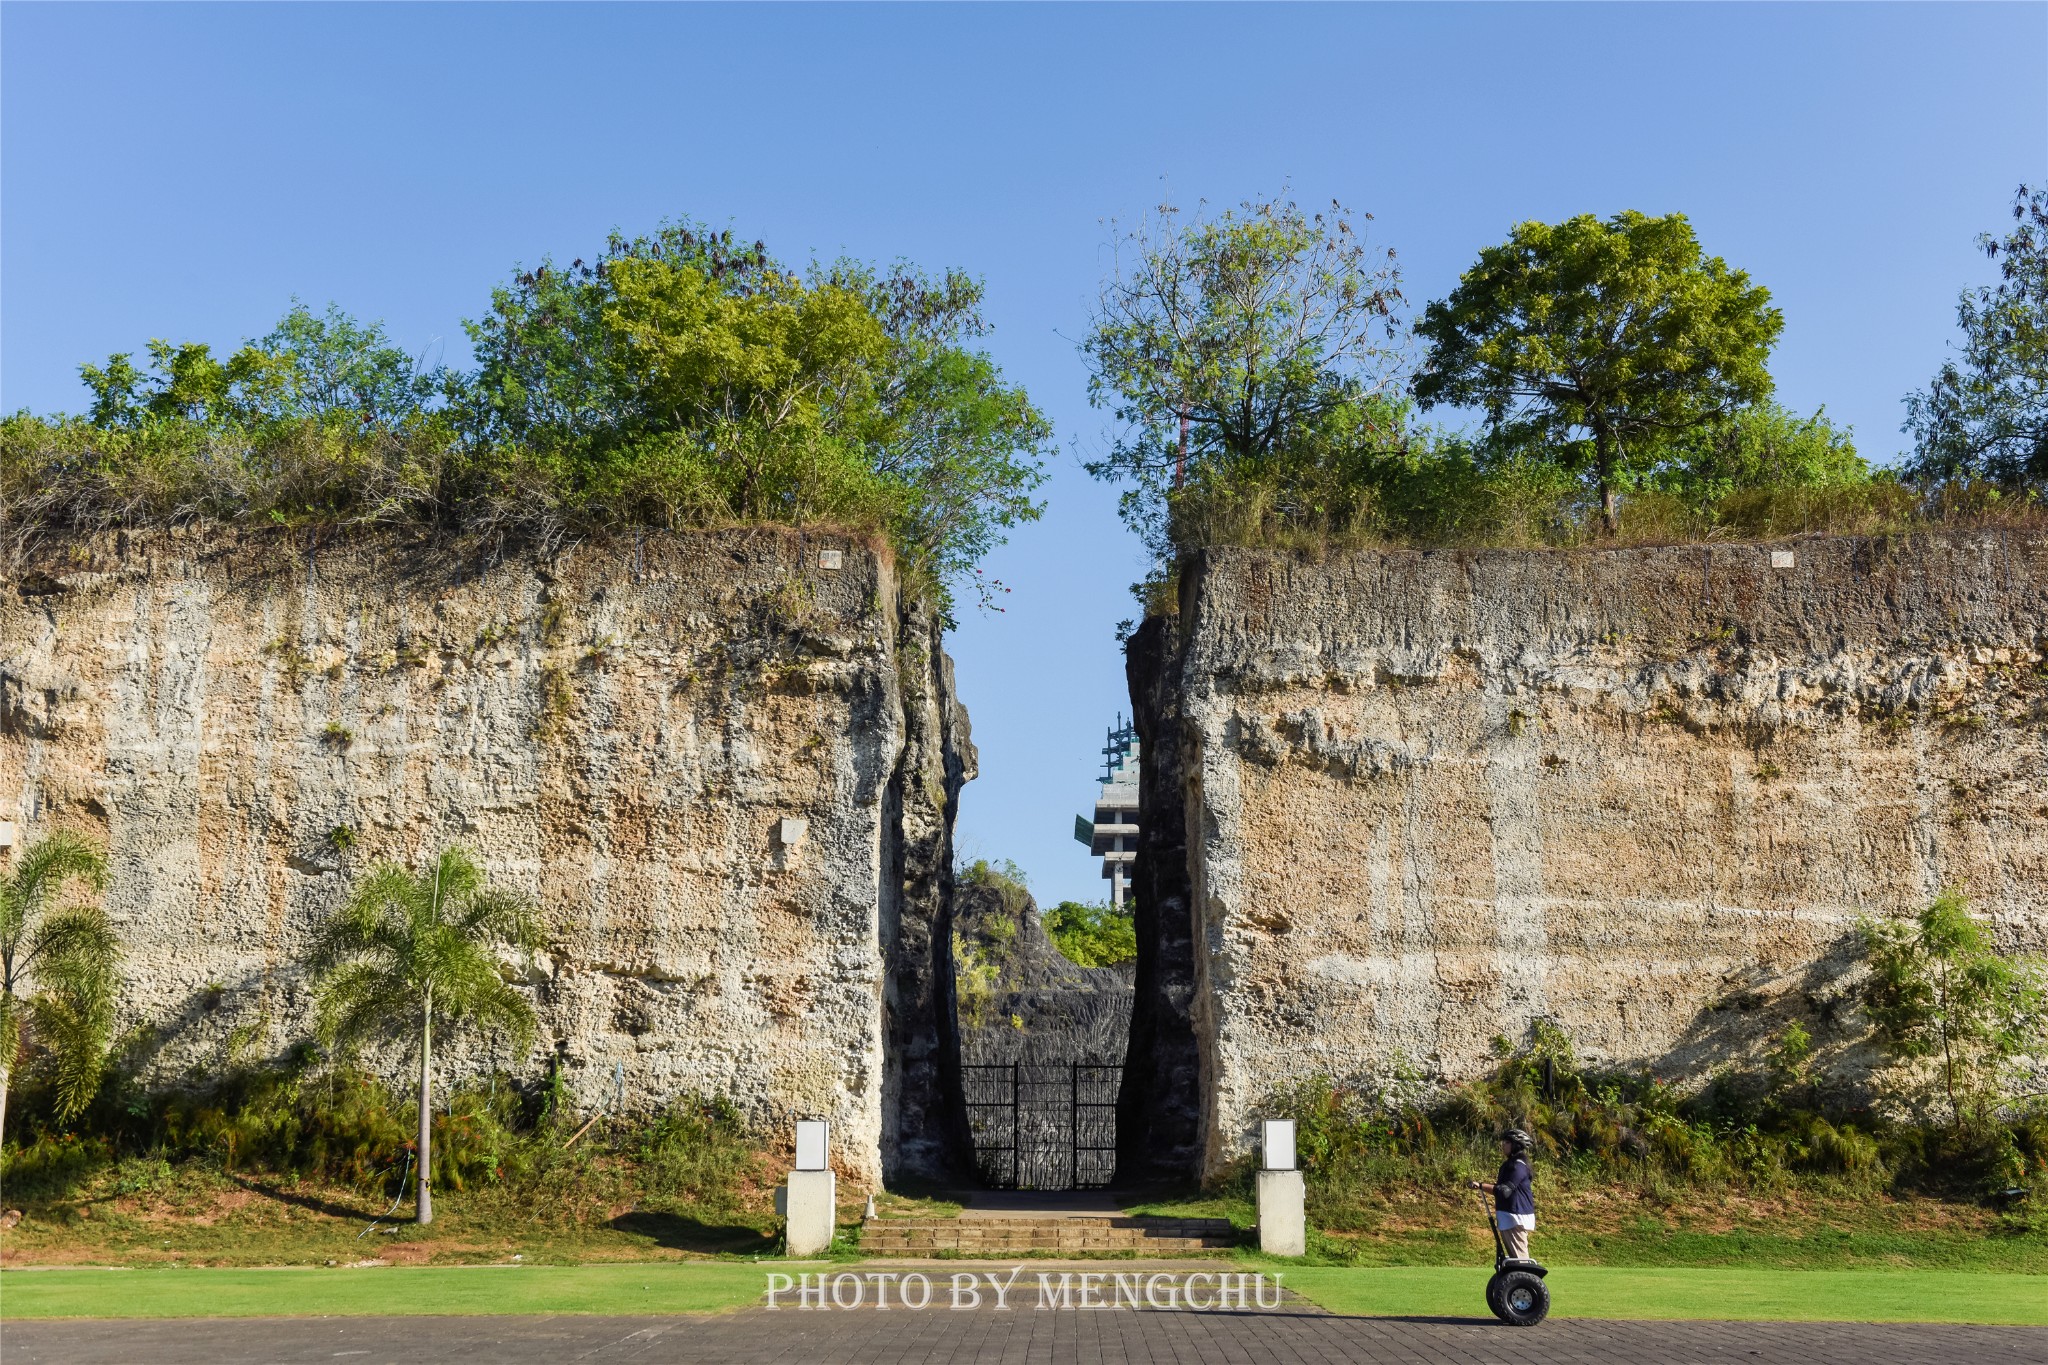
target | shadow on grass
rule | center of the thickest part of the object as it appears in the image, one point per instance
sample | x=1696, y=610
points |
x=680, y=1232
x=310, y=1202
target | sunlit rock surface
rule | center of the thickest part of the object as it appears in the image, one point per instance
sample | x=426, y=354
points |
x=1428, y=797
x=724, y=771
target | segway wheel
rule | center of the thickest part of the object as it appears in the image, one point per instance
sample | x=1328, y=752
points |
x=1519, y=1298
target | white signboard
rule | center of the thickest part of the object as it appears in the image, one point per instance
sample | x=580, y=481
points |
x=811, y=1144
x=1276, y=1144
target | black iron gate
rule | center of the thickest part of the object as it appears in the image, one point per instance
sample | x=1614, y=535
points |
x=1043, y=1126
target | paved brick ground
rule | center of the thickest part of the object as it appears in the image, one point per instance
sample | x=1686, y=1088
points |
x=1290, y=1334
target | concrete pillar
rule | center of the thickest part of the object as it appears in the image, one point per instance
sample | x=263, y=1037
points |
x=811, y=1208
x=1283, y=1225
x=1283, y=1222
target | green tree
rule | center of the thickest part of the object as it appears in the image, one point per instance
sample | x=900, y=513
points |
x=1224, y=345
x=323, y=368
x=1591, y=343
x=406, y=949
x=1092, y=935
x=683, y=378
x=1939, y=988
x=1985, y=416
x=71, y=954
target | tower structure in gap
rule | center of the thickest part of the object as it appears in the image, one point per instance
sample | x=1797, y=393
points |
x=1113, y=833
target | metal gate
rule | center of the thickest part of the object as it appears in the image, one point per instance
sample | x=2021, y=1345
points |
x=1043, y=1126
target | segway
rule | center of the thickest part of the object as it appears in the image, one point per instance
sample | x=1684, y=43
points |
x=1516, y=1293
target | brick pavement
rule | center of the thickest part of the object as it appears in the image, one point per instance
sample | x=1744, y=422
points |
x=1294, y=1333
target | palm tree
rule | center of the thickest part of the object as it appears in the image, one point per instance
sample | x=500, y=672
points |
x=73, y=953
x=405, y=948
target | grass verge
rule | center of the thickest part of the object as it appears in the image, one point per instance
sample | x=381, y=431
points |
x=700, y=1288
x=1418, y=1291
x=1744, y=1295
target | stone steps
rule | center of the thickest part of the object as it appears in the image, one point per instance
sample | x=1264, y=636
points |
x=1000, y=1236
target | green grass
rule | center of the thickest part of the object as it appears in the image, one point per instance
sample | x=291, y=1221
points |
x=1426, y=1291
x=1694, y=1292
x=1614, y=1227
x=700, y=1288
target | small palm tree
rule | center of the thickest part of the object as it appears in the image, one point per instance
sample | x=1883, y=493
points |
x=72, y=953
x=406, y=949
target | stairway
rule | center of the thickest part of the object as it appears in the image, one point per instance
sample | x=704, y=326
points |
x=970, y=1236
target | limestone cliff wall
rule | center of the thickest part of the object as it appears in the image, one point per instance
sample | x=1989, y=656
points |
x=724, y=769
x=1431, y=796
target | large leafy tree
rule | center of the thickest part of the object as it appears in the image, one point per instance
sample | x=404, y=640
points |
x=1940, y=989
x=1985, y=416
x=1591, y=343
x=684, y=378
x=409, y=949
x=1226, y=345
x=57, y=969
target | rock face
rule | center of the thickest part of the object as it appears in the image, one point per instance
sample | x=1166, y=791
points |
x=1430, y=797
x=1158, y=1121
x=724, y=766
x=1018, y=998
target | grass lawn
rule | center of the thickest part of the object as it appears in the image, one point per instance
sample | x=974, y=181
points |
x=1614, y=1226
x=1694, y=1292
x=704, y=1287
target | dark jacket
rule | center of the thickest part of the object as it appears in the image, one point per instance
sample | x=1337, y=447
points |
x=1511, y=1192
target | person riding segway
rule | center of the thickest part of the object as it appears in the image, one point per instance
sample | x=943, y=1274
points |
x=1516, y=1293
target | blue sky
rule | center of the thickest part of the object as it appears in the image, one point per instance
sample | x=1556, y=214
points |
x=183, y=171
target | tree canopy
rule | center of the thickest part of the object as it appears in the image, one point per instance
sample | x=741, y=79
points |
x=1985, y=416
x=1226, y=344
x=678, y=379
x=1590, y=343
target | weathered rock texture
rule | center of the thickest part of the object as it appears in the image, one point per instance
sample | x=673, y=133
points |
x=1158, y=1120
x=1018, y=998
x=1430, y=797
x=725, y=772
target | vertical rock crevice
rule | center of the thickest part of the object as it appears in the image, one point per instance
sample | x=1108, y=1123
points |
x=1159, y=1106
x=924, y=1117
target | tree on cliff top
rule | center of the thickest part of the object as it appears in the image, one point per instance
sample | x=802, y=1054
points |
x=70, y=953
x=1985, y=416
x=309, y=367
x=1591, y=343
x=680, y=379
x=684, y=379
x=1225, y=345
x=407, y=948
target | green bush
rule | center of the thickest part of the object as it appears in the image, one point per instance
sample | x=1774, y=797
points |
x=340, y=1127
x=1092, y=935
x=1361, y=1142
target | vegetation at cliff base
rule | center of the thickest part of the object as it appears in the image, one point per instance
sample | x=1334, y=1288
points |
x=306, y=1160
x=58, y=974
x=406, y=950
x=678, y=379
x=1952, y=1119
